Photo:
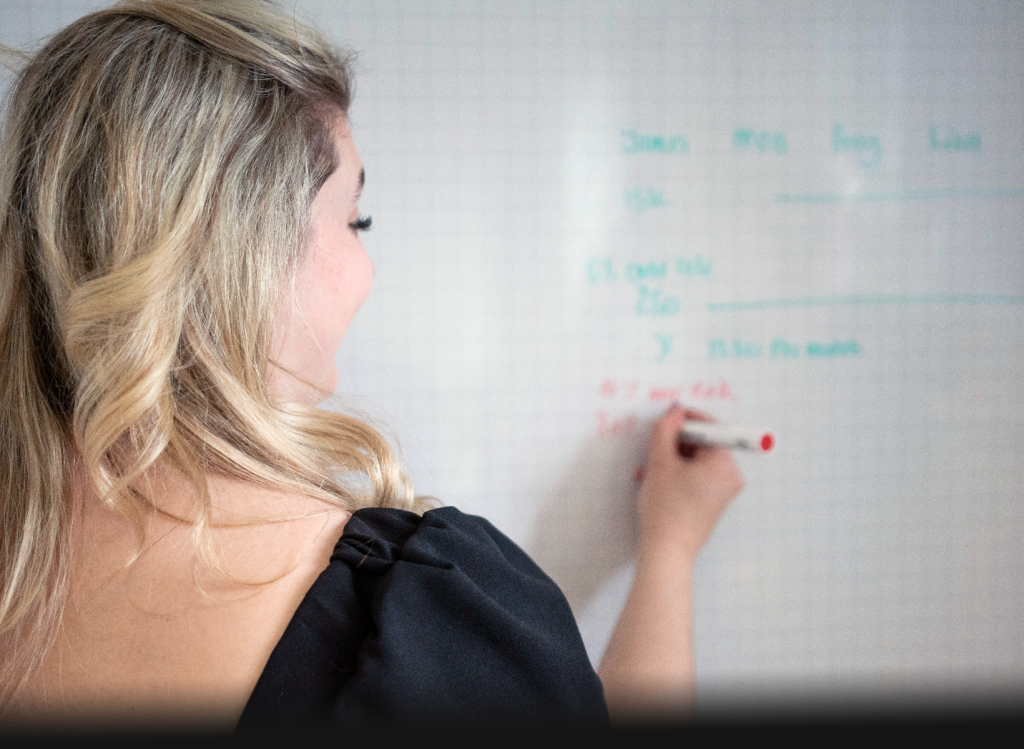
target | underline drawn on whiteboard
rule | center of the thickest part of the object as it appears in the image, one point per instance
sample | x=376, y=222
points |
x=664, y=345
x=867, y=299
x=642, y=199
x=868, y=147
x=636, y=142
x=745, y=139
x=893, y=196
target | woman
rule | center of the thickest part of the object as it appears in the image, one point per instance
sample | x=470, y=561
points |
x=181, y=259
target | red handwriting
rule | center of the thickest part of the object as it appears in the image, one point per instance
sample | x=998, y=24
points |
x=697, y=390
x=664, y=394
x=612, y=389
x=608, y=427
x=713, y=391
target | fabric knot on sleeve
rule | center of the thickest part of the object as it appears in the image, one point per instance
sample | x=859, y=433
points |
x=439, y=618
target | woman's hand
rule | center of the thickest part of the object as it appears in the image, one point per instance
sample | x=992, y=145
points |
x=685, y=490
x=648, y=668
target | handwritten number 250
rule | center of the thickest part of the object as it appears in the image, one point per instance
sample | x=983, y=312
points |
x=653, y=302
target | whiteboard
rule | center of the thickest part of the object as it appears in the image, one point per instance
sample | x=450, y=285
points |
x=804, y=216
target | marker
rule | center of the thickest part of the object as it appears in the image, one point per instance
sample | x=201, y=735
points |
x=723, y=435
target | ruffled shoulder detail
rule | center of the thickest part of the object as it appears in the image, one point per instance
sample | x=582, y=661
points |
x=432, y=618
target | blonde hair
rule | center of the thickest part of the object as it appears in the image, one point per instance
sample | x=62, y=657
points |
x=156, y=174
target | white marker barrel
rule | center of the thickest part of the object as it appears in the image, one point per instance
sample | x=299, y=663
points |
x=723, y=435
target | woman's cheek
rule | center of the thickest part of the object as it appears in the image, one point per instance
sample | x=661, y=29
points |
x=366, y=278
x=349, y=280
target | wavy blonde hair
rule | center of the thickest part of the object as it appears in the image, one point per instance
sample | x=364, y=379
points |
x=157, y=169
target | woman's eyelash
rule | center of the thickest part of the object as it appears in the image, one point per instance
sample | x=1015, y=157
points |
x=361, y=224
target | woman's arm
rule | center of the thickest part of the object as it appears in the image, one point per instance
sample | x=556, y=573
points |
x=649, y=665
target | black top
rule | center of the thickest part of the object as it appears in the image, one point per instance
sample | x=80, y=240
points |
x=436, y=618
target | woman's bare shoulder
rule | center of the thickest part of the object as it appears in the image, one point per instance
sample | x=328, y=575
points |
x=168, y=637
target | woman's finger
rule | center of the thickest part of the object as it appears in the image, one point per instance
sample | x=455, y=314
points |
x=666, y=429
x=693, y=414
